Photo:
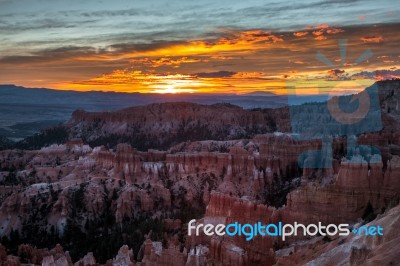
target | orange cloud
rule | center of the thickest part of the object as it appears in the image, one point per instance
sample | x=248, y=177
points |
x=321, y=29
x=221, y=57
x=300, y=33
x=166, y=61
x=128, y=80
x=248, y=75
x=375, y=39
x=244, y=41
x=232, y=41
x=320, y=38
x=253, y=53
x=318, y=32
x=345, y=64
x=321, y=26
x=250, y=37
x=334, y=31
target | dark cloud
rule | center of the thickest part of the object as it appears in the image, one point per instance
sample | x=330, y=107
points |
x=142, y=47
x=47, y=55
x=122, y=12
x=335, y=72
x=65, y=52
x=218, y=74
x=378, y=75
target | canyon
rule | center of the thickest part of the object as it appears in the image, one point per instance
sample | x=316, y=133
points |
x=101, y=198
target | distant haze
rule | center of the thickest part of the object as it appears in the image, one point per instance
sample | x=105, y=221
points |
x=23, y=111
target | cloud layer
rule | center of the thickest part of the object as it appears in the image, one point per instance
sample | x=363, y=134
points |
x=216, y=46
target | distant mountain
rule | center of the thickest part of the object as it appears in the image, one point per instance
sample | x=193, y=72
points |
x=97, y=100
x=161, y=125
x=260, y=93
x=24, y=111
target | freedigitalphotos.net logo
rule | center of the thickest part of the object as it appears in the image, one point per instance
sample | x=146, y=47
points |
x=249, y=231
x=341, y=115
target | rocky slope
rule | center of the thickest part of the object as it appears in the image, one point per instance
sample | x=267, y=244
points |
x=350, y=250
x=66, y=190
x=163, y=125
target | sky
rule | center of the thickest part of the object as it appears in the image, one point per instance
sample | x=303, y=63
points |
x=156, y=46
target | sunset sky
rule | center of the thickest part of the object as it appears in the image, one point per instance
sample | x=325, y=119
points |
x=198, y=46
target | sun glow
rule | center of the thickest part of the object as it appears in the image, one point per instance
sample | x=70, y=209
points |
x=236, y=62
x=171, y=89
